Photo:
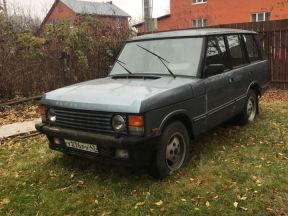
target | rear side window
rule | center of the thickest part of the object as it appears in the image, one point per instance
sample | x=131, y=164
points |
x=252, y=48
x=216, y=51
x=236, y=50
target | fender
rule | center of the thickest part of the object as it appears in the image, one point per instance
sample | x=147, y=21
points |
x=256, y=84
x=171, y=115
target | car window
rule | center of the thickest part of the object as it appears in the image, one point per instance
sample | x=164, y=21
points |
x=236, y=50
x=216, y=51
x=252, y=48
x=182, y=57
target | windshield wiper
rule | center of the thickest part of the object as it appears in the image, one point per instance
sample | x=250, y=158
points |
x=121, y=64
x=163, y=60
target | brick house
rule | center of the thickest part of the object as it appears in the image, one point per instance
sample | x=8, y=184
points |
x=201, y=13
x=69, y=10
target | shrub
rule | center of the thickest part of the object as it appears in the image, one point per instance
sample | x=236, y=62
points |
x=31, y=65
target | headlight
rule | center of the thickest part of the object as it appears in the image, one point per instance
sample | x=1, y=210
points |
x=118, y=123
x=51, y=115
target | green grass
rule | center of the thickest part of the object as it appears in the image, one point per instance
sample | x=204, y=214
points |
x=234, y=171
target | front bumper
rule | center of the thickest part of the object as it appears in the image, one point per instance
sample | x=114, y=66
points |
x=140, y=148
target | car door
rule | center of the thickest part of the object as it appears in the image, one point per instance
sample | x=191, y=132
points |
x=241, y=69
x=220, y=91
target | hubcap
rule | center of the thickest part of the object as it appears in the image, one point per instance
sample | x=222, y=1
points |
x=251, y=108
x=175, y=151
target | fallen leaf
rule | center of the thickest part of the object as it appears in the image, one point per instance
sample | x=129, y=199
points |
x=81, y=182
x=183, y=200
x=96, y=202
x=139, y=204
x=241, y=198
x=159, y=203
x=207, y=204
x=52, y=173
x=4, y=202
x=243, y=208
x=106, y=213
x=235, y=204
x=269, y=209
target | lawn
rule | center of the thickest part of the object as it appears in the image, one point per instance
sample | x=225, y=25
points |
x=234, y=171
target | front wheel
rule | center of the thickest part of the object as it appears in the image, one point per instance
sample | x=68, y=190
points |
x=250, y=108
x=173, y=151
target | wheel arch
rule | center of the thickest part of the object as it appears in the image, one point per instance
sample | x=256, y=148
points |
x=256, y=88
x=178, y=115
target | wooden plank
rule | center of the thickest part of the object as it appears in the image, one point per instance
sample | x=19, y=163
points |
x=10, y=103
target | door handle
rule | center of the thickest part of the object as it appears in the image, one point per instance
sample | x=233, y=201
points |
x=231, y=80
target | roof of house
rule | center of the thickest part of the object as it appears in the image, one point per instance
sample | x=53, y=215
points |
x=191, y=33
x=98, y=8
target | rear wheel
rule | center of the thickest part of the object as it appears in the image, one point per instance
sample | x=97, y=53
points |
x=173, y=151
x=250, y=108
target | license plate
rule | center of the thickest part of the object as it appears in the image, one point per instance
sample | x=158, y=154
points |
x=82, y=146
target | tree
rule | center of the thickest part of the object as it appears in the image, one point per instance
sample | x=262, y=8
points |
x=5, y=8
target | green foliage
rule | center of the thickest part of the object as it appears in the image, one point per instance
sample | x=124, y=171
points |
x=60, y=55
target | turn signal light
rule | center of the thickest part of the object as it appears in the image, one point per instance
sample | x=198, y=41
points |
x=136, y=120
x=42, y=110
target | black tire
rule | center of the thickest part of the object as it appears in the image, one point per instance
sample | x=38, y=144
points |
x=250, y=109
x=173, y=150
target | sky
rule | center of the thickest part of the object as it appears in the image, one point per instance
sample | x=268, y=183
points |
x=133, y=7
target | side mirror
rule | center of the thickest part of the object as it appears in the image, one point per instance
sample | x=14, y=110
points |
x=214, y=69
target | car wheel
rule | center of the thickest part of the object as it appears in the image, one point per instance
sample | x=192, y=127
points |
x=250, y=108
x=173, y=151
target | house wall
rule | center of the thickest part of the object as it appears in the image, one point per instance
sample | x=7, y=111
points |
x=60, y=13
x=220, y=12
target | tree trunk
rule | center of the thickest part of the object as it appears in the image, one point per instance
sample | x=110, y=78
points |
x=5, y=8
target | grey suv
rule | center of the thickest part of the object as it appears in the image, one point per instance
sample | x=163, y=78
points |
x=163, y=90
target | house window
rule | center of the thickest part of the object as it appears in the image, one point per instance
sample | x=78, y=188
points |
x=199, y=1
x=259, y=17
x=198, y=23
x=120, y=22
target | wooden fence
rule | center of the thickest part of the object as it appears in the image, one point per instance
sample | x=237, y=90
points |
x=274, y=38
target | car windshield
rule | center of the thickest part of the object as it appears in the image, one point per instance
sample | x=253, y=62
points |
x=181, y=56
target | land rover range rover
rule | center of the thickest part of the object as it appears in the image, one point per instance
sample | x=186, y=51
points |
x=163, y=90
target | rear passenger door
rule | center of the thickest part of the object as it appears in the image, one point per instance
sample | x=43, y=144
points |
x=255, y=65
x=219, y=91
x=244, y=48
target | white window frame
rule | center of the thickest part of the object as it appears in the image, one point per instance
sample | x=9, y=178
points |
x=202, y=22
x=199, y=1
x=257, y=16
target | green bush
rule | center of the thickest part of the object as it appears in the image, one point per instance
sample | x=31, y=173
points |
x=61, y=55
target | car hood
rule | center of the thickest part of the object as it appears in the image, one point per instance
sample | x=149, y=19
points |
x=128, y=95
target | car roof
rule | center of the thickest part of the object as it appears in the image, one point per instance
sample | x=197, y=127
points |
x=191, y=33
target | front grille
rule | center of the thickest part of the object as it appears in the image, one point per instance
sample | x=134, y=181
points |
x=83, y=120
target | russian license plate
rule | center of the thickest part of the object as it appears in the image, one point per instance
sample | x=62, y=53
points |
x=82, y=146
